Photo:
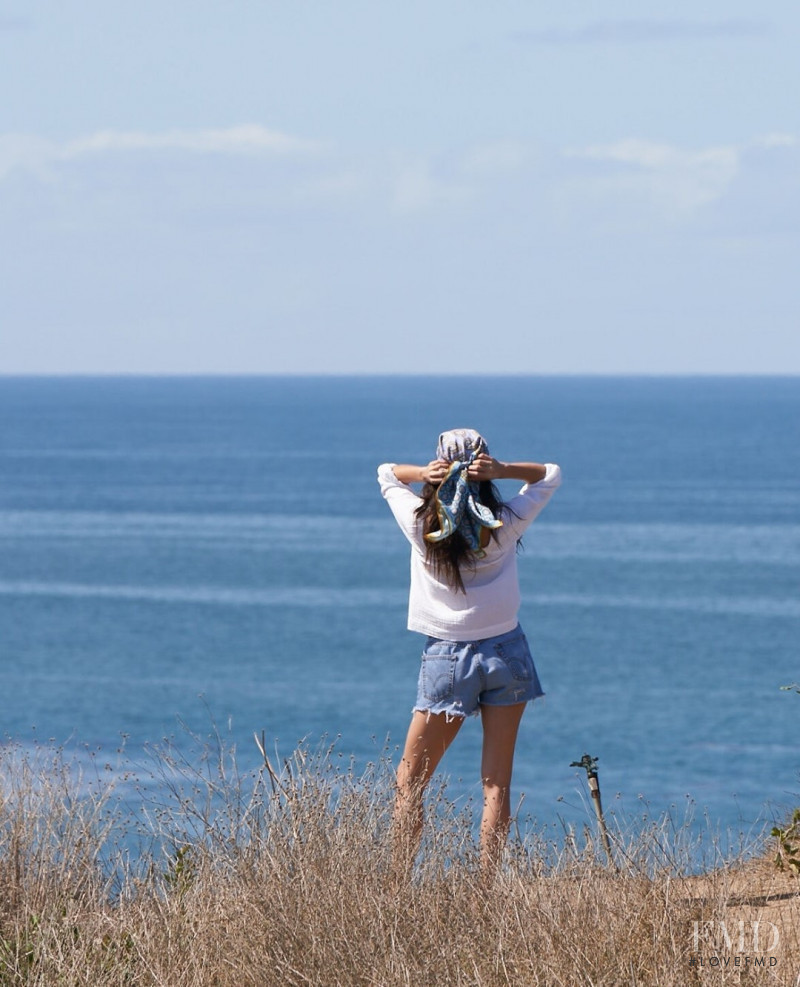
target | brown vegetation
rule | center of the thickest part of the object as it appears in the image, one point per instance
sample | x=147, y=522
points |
x=285, y=878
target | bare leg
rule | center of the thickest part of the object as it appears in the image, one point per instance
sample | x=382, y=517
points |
x=428, y=738
x=500, y=726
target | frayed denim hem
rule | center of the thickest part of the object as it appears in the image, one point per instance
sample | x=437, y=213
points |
x=459, y=714
x=450, y=713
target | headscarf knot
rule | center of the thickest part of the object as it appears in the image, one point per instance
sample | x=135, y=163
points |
x=458, y=503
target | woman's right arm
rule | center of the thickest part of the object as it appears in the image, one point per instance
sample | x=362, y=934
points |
x=434, y=472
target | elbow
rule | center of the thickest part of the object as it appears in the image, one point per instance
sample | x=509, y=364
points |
x=552, y=474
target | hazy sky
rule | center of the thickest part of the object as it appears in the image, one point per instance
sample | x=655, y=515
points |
x=371, y=185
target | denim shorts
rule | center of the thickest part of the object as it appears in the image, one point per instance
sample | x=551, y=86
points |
x=457, y=677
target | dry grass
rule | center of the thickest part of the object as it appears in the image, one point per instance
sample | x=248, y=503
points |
x=284, y=878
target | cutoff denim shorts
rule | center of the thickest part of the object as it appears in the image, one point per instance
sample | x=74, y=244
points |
x=457, y=677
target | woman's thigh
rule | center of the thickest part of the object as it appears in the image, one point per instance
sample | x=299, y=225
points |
x=500, y=728
x=429, y=736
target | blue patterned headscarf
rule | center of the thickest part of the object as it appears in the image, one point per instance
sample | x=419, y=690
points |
x=458, y=503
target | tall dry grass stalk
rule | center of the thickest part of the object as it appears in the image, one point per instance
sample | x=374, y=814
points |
x=284, y=877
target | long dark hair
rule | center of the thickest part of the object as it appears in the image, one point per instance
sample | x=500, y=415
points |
x=448, y=556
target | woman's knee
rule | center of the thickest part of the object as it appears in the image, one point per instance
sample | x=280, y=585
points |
x=496, y=788
x=497, y=767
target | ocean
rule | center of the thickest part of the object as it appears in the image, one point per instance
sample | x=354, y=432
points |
x=179, y=553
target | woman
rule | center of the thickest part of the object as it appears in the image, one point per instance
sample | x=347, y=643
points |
x=464, y=597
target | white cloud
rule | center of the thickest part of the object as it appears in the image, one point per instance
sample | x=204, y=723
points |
x=676, y=178
x=38, y=155
x=401, y=183
x=777, y=140
x=248, y=139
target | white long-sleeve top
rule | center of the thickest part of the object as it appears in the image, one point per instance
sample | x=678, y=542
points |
x=490, y=605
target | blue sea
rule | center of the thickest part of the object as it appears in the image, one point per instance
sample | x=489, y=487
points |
x=180, y=550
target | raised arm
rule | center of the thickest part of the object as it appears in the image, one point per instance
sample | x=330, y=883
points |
x=484, y=467
x=434, y=472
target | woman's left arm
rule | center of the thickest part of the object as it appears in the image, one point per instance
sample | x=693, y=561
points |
x=484, y=467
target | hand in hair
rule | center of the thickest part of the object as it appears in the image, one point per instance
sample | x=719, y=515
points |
x=435, y=471
x=484, y=467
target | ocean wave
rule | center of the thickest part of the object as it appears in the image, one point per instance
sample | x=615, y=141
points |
x=355, y=597
x=749, y=606
x=765, y=544
x=279, y=596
